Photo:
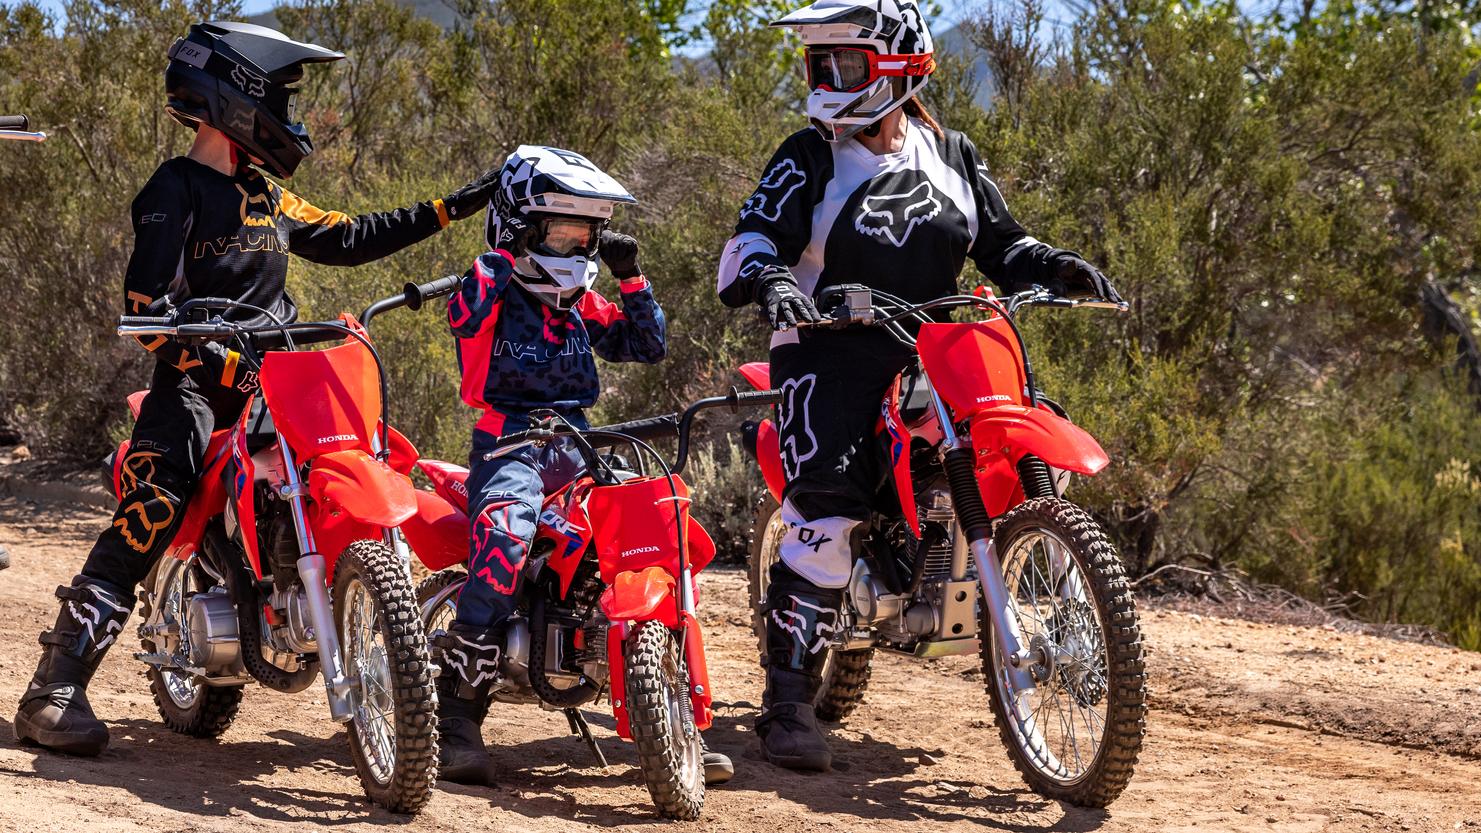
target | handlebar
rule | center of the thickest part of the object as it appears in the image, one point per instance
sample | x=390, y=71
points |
x=855, y=306
x=412, y=296
x=640, y=430
x=19, y=129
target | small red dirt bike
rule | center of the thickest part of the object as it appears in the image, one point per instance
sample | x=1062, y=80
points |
x=606, y=599
x=287, y=563
x=974, y=537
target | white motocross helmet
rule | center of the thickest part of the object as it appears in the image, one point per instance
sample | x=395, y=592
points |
x=549, y=211
x=865, y=58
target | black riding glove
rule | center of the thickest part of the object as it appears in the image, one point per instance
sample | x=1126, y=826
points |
x=1078, y=279
x=473, y=197
x=620, y=253
x=785, y=305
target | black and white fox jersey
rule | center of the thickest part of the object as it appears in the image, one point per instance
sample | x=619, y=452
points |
x=903, y=223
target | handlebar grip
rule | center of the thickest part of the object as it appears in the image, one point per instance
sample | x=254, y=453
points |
x=420, y=293
x=759, y=397
x=14, y=123
x=207, y=332
x=145, y=321
x=652, y=428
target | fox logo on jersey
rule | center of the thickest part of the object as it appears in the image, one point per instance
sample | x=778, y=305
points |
x=895, y=216
x=775, y=189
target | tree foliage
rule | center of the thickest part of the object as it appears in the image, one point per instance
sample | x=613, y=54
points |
x=1272, y=192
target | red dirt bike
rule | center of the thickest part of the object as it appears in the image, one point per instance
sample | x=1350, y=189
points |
x=606, y=601
x=973, y=536
x=287, y=563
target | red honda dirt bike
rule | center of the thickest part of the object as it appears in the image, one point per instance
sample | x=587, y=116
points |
x=975, y=538
x=606, y=599
x=287, y=563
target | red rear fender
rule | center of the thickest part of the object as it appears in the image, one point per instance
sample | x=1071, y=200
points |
x=438, y=532
x=758, y=374
x=1050, y=437
x=769, y=456
x=363, y=487
x=449, y=480
x=136, y=401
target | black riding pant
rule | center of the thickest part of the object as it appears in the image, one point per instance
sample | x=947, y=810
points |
x=159, y=473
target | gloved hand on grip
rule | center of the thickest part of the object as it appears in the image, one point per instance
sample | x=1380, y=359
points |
x=1078, y=279
x=620, y=253
x=473, y=197
x=777, y=293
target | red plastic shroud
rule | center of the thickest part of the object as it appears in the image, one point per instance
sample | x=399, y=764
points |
x=977, y=368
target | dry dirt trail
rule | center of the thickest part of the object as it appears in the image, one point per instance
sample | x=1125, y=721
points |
x=1253, y=728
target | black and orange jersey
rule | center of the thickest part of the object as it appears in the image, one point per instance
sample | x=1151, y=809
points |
x=199, y=233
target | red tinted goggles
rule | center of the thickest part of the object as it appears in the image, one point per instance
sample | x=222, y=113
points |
x=845, y=69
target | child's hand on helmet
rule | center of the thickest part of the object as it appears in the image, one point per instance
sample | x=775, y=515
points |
x=1079, y=279
x=620, y=253
x=473, y=197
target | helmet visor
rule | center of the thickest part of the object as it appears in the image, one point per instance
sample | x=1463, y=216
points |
x=282, y=102
x=838, y=69
x=567, y=236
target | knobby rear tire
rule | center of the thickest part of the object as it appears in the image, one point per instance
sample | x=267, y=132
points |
x=214, y=708
x=413, y=774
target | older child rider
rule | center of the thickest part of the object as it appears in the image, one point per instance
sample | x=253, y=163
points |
x=207, y=224
x=527, y=324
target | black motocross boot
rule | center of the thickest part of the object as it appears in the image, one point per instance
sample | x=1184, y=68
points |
x=801, y=621
x=470, y=667
x=718, y=768
x=54, y=711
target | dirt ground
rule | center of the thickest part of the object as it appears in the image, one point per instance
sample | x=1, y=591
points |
x=1253, y=728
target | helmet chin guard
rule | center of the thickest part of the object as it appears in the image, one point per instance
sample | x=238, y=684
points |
x=901, y=59
x=556, y=282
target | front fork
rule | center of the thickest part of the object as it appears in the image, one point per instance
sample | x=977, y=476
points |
x=312, y=571
x=1000, y=606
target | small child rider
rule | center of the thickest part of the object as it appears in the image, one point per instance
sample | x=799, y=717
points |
x=527, y=326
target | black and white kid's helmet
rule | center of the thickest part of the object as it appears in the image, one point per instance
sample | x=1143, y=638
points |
x=549, y=212
x=865, y=58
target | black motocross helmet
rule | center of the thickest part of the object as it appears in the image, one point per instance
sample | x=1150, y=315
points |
x=238, y=78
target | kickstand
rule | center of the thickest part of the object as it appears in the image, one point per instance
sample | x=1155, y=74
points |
x=579, y=727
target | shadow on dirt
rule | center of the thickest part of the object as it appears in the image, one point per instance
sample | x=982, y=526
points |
x=871, y=781
x=215, y=778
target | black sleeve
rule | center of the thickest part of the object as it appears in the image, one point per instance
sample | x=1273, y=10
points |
x=775, y=223
x=337, y=239
x=1003, y=251
x=162, y=214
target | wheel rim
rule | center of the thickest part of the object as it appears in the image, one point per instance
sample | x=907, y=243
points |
x=181, y=688
x=439, y=611
x=681, y=720
x=1060, y=725
x=369, y=662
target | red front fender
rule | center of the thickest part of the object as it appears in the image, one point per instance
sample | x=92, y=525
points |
x=362, y=487
x=641, y=595
x=1014, y=431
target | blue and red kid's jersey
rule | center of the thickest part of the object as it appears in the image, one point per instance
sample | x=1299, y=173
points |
x=517, y=354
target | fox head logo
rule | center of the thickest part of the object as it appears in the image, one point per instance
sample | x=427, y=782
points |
x=895, y=216
x=775, y=189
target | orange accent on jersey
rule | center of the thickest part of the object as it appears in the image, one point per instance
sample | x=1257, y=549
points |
x=152, y=344
x=229, y=370
x=259, y=219
x=185, y=362
x=138, y=302
x=297, y=209
x=442, y=218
